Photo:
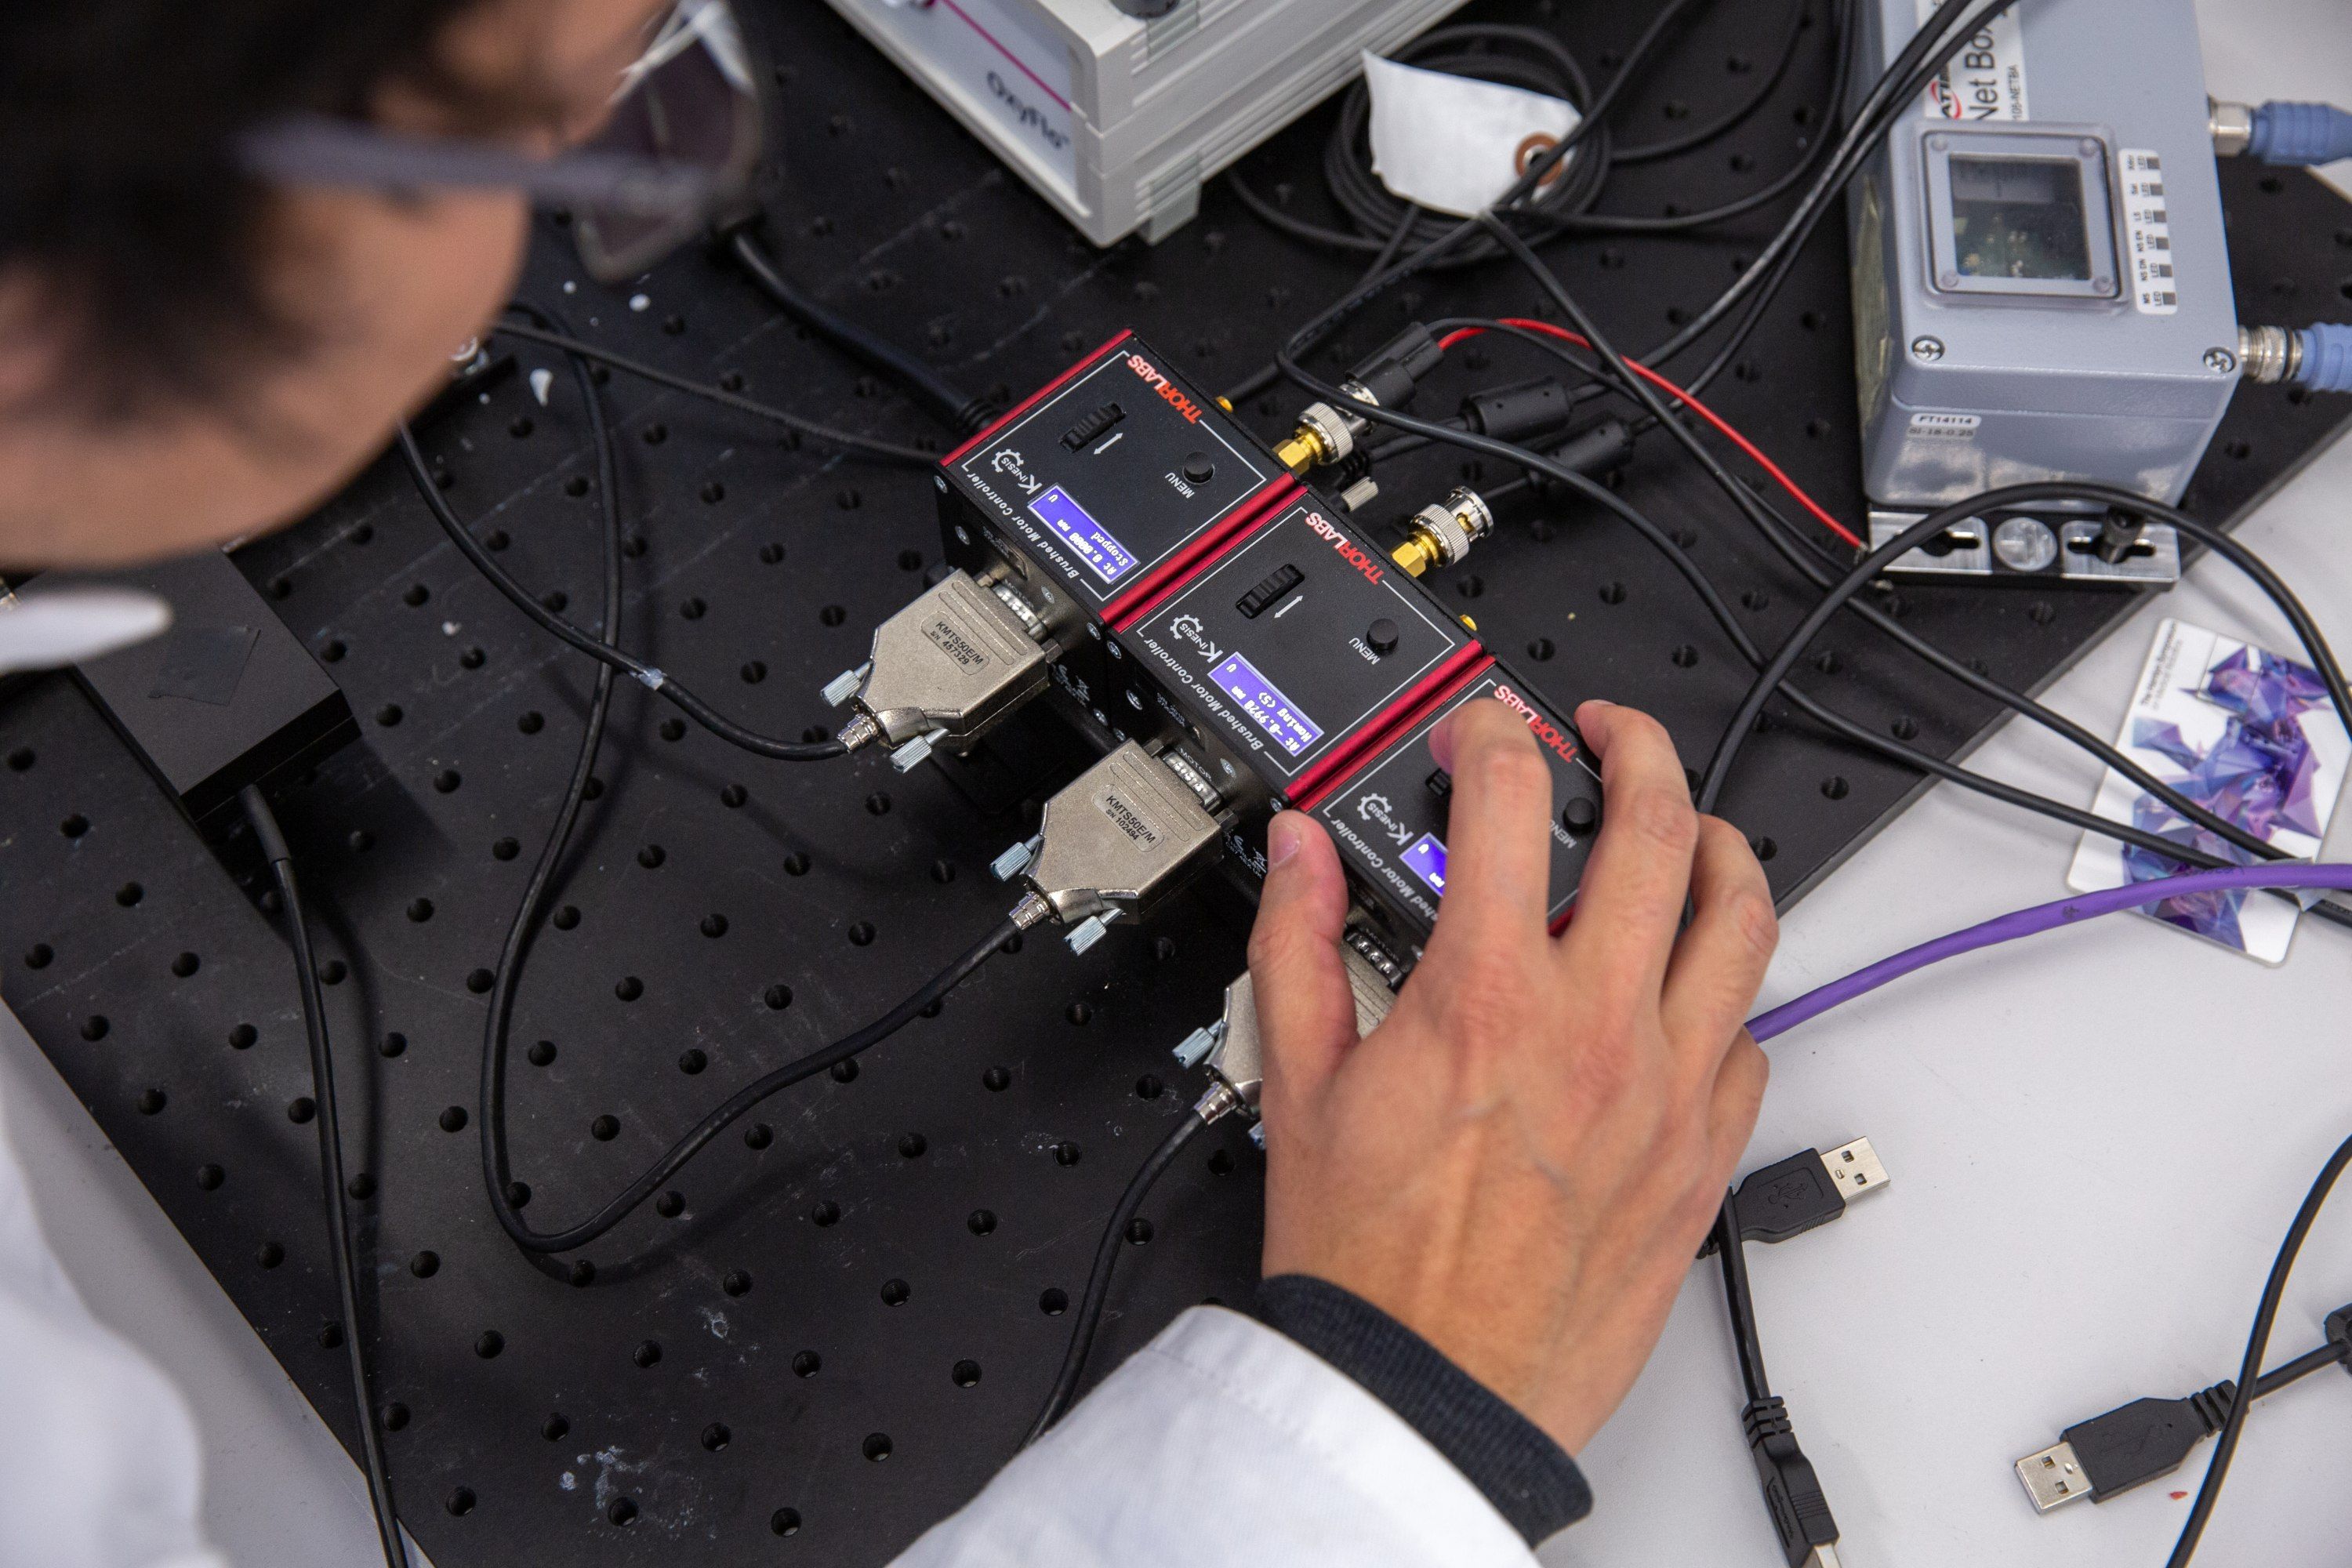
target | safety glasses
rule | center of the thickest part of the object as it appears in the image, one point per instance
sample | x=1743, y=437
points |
x=678, y=146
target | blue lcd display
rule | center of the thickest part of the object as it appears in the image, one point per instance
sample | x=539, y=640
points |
x=1426, y=860
x=1093, y=543
x=1273, y=712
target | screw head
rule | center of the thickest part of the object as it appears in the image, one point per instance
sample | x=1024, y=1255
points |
x=2103, y=285
x=2090, y=147
x=1947, y=280
x=1928, y=349
x=1939, y=143
x=2220, y=362
x=2025, y=544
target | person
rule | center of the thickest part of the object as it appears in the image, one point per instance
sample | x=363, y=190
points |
x=1476, y=1216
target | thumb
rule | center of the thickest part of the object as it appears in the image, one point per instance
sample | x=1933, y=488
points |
x=1306, y=1013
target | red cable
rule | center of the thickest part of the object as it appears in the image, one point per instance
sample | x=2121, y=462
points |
x=1722, y=427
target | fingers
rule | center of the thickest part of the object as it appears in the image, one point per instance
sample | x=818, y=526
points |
x=1712, y=978
x=1630, y=902
x=1305, y=1013
x=1498, y=834
x=1737, y=1095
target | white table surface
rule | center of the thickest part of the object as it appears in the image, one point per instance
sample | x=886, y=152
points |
x=2096, y=1140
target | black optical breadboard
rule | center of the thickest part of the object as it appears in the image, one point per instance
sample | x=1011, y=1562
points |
x=841, y=1324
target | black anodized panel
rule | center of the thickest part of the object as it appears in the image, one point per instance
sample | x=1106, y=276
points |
x=1113, y=474
x=1390, y=818
x=1287, y=685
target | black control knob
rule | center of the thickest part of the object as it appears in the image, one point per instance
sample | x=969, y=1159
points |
x=1380, y=637
x=1581, y=814
x=1198, y=470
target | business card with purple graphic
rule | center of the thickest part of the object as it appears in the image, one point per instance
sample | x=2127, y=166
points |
x=2249, y=735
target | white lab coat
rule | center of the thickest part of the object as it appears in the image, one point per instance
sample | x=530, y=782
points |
x=98, y=1452
x=1221, y=1443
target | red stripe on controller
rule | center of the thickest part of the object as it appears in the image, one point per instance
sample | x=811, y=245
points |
x=1330, y=785
x=1180, y=568
x=1385, y=725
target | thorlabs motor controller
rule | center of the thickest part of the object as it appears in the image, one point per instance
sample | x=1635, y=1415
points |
x=1233, y=642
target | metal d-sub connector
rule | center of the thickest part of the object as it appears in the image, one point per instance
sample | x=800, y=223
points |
x=944, y=668
x=1114, y=841
x=1229, y=1047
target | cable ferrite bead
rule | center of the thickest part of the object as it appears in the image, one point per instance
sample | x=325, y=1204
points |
x=1523, y=411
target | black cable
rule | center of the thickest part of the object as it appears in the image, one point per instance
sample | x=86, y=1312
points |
x=2147, y=1438
x=1809, y=159
x=1926, y=53
x=2237, y=553
x=331, y=1172
x=1936, y=38
x=2249, y=1368
x=1712, y=599
x=1090, y=1305
x=617, y=1208
x=1731, y=1252
x=910, y=455
x=597, y=648
x=1548, y=67
x=1266, y=374
x=2296, y=1370
x=1922, y=57
x=2315, y=643
x=491, y=1111
x=1672, y=146
x=497, y=1167
x=1784, y=540
x=961, y=411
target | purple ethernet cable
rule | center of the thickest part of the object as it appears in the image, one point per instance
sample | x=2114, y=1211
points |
x=2278, y=874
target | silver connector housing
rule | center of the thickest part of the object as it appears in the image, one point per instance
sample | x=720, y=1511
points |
x=1456, y=524
x=1854, y=1169
x=2053, y=1476
x=2232, y=125
x=2269, y=354
x=1231, y=1048
x=1336, y=429
x=946, y=667
x=1116, y=839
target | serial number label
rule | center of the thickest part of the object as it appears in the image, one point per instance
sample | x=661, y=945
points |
x=1128, y=820
x=954, y=644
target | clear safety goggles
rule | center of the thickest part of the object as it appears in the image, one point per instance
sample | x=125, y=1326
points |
x=679, y=144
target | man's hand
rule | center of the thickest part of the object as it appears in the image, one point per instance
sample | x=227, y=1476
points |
x=1519, y=1163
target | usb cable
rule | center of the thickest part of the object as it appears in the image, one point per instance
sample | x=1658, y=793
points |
x=2138, y=1442
x=1802, y=1193
x=1786, y=1198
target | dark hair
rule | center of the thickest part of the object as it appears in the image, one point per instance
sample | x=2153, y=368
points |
x=121, y=201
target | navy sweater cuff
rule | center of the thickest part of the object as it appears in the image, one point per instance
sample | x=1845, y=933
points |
x=1529, y=1478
